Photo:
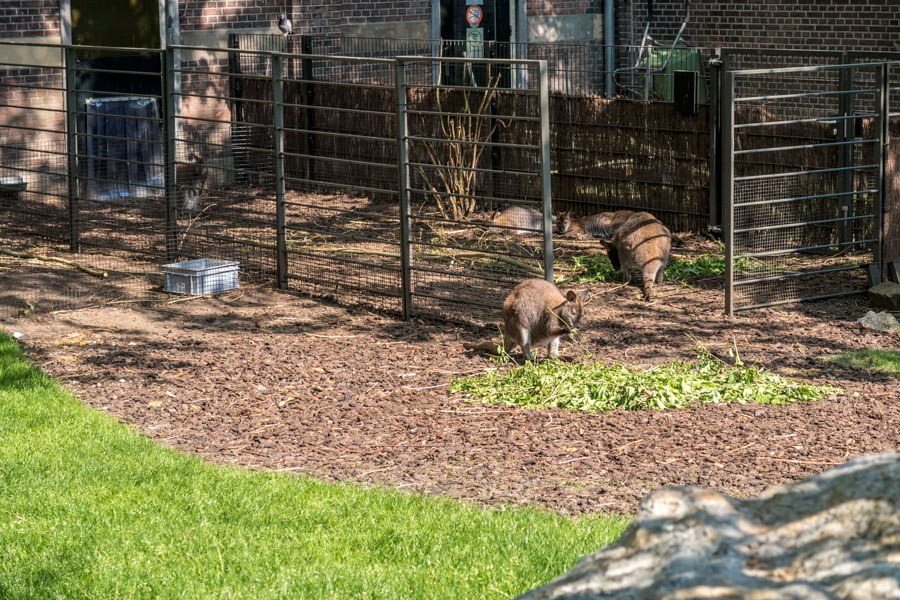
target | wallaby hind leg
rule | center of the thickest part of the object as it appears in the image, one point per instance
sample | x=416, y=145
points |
x=553, y=348
x=661, y=272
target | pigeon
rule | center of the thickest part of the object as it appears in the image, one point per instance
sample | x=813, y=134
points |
x=284, y=24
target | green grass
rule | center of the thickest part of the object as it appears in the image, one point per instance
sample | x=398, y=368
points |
x=91, y=509
x=600, y=387
x=596, y=268
x=886, y=362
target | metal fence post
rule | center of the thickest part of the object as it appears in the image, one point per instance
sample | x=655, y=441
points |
x=728, y=186
x=546, y=191
x=403, y=186
x=307, y=93
x=72, y=147
x=169, y=68
x=883, y=105
x=280, y=217
x=715, y=141
x=846, y=131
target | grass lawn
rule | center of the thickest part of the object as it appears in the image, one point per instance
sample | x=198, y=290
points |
x=886, y=362
x=91, y=509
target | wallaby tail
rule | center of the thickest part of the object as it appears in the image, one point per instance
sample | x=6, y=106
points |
x=486, y=347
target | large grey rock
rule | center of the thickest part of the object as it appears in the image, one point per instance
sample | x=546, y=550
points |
x=832, y=536
x=885, y=295
x=881, y=321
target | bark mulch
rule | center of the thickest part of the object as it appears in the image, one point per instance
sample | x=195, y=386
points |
x=274, y=381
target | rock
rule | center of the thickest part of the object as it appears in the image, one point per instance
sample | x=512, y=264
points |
x=885, y=295
x=835, y=535
x=882, y=321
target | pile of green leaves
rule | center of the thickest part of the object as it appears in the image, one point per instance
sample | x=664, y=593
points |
x=601, y=387
x=597, y=268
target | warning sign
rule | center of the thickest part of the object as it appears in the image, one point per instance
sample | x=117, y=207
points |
x=473, y=15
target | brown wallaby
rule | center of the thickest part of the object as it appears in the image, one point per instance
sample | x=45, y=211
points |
x=522, y=219
x=536, y=313
x=189, y=181
x=641, y=242
x=602, y=225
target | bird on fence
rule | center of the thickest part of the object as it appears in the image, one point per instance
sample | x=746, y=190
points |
x=284, y=24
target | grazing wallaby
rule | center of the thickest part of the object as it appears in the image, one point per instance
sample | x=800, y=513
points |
x=536, y=313
x=189, y=181
x=523, y=218
x=602, y=225
x=641, y=242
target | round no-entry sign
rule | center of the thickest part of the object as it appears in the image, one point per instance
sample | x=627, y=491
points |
x=473, y=15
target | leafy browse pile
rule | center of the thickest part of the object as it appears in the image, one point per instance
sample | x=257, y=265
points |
x=600, y=387
x=596, y=268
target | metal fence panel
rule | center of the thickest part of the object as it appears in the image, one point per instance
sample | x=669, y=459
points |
x=464, y=257
x=803, y=190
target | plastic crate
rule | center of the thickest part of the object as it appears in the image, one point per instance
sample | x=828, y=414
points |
x=201, y=276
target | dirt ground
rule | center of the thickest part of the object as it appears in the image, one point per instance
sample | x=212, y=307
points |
x=276, y=381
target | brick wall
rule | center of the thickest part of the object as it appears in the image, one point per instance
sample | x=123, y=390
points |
x=314, y=17
x=540, y=8
x=29, y=18
x=868, y=25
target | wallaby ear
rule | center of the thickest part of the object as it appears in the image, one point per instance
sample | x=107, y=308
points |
x=607, y=244
x=583, y=294
x=571, y=296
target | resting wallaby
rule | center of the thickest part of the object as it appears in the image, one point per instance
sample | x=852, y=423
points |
x=602, y=225
x=523, y=218
x=536, y=313
x=641, y=242
x=189, y=181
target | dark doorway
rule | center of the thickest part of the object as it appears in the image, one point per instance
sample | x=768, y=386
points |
x=495, y=31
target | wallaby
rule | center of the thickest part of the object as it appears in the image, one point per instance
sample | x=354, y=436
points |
x=523, y=219
x=641, y=242
x=602, y=225
x=536, y=313
x=189, y=181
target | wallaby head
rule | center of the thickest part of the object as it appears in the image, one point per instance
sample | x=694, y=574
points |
x=642, y=243
x=537, y=313
x=190, y=179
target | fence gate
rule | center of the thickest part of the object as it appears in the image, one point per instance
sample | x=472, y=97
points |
x=803, y=174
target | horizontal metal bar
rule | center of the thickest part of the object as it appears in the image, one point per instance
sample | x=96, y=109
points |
x=794, y=275
x=810, y=172
x=478, y=61
x=118, y=71
x=322, y=57
x=472, y=142
x=337, y=109
x=340, y=186
x=98, y=94
x=805, y=146
x=31, y=65
x=230, y=98
x=803, y=249
x=61, y=173
x=473, y=88
x=798, y=198
x=117, y=138
x=804, y=95
x=26, y=86
x=806, y=69
x=474, y=115
x=338, y=84
x=104, y=49
x=39, y=129
x=42, y=108
x=348, y=161
x=805, y=299
x=802, y=224
x=343, y=235
x=472, y=169
x=833, y=119
x=39, y=151
x=225, y=122
x=338, y=134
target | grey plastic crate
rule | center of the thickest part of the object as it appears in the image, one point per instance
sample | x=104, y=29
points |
x=201, y=276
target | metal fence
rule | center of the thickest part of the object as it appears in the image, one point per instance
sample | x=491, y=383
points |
x=586, y=67
x=804, y=177
x=289, y=168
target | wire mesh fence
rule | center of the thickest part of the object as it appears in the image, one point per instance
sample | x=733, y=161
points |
x=805, y=148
